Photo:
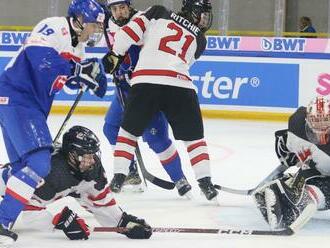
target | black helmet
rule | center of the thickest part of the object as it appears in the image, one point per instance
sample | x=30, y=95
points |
x=81, y=140
x=82, y=150
x=199, y=12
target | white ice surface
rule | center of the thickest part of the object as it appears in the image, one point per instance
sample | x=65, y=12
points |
x=242, y=155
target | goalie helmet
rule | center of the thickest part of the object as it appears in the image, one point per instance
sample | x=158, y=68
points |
x=199, y=12
x=82, y=149
x=318, y=121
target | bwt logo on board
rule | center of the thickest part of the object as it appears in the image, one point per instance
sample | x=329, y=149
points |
x=223, y=87
x=285, y=45
x=223, y=43
x=13, y=38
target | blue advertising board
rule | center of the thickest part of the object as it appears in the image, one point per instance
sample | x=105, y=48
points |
x=246, y=84
x=217, y=82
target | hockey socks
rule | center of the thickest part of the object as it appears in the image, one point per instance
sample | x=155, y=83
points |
x=124, y=152
x=19, y=190
x=170, y=159
x=199, y=158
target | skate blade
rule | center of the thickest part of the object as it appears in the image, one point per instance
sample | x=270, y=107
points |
x=6, y=242
x=139, y=188
x=188, y=196
x=214, y=201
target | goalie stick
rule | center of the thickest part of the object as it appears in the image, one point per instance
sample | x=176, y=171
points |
x=222, y=231
x=145, y=173
x=274, y=174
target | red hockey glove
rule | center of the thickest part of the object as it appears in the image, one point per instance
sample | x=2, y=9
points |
x=72, y=225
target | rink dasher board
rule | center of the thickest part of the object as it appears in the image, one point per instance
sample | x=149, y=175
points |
x=237, y=77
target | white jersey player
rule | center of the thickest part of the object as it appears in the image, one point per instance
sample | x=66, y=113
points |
x=43, y=66
x=292, y=200
x=161, y=82
x=77, y=171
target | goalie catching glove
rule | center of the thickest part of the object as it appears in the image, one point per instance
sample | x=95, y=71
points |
x=137, y=228
x=71, y=224
x=89, y=72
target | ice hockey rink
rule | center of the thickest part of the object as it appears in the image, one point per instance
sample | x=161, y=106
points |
x=242, y=155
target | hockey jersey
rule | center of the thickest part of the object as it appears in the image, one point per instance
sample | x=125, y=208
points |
x=40, y=70
x=317, y=156
x=170, y=44
x=91, y=191
x=131, y=56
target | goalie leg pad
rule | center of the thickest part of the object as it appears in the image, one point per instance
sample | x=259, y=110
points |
x=286, y=208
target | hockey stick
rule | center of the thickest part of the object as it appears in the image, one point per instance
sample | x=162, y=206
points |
x=274, y=174
x=68, y=116
x=228, y=231
x=145, y=174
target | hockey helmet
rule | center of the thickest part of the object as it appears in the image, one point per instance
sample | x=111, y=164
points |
x=82, y=148
x=199, y=12
x=113, y=2
x=318, y=121
x=90, y=10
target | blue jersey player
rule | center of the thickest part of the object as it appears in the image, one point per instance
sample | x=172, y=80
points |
x=156, y=135
x=47, y=61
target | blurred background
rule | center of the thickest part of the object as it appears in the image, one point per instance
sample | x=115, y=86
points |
x=231, y=17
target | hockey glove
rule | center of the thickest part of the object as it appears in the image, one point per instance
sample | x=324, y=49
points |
x=111, y=61
x=286, y=157
x=137, y=228
x=89, y=72
x=72, y=225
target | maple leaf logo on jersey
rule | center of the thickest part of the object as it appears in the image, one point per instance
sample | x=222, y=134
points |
x=58, y=84
x=64, y=31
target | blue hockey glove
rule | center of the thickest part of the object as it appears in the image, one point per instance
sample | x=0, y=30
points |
x=123, y=75
x=89, y=72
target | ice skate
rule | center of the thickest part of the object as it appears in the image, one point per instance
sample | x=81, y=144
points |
x=117, y=182
x=184, y=188
x=7, y=237
x=208, y=188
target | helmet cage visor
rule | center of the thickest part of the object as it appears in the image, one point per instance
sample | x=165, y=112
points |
x=318, y=128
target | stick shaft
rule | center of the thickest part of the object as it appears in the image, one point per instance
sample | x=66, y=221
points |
x=244, y=232
x=68, y=116
x=274, y=174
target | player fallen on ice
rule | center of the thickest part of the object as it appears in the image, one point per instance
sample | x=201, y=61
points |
x=47, y=61
x=76, y=171
x=291, y=200
x=160, y=82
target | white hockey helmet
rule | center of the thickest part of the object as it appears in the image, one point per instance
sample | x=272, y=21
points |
x=318, y=121
x=113, y=2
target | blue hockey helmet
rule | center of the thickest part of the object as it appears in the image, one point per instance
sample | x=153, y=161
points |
x=90, y=10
